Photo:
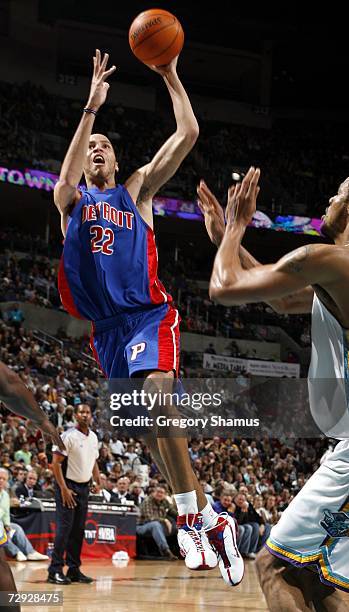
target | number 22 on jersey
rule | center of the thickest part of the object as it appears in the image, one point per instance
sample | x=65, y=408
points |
x=102, y=239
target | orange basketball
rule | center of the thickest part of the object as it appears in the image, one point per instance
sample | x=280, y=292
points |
x=156, y=37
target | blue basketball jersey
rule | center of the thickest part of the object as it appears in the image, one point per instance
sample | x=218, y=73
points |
x=109, y=262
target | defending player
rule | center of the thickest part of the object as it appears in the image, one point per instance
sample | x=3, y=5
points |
x=108, y=275
x=313, y=530
x=15, y=395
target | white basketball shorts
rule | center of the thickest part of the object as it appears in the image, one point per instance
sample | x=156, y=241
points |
x=314, y=529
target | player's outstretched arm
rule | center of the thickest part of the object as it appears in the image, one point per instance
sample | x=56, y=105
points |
x=145, y=183
x=231, y=284
x=21, y=401
x=66, y=193
x=299, y=302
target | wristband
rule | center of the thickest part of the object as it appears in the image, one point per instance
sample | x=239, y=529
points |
x=90, y=111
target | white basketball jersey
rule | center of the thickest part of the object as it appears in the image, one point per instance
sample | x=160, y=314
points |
x=328, y=378
x=314, y=529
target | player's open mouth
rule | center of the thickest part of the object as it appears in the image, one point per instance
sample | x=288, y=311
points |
x=98, y=159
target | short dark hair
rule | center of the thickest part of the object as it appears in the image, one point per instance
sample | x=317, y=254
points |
x=78, y=406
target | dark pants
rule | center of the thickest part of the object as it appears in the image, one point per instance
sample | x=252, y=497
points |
x=70, y=528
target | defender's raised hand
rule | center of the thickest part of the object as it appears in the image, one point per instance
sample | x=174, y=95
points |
x=99, y=86
x=242, y=199
x=213, y=213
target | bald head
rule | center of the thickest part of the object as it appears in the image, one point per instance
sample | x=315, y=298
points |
x=336, y=219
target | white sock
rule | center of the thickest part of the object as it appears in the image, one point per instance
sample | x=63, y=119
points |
x=186, y=503
x=208, y=515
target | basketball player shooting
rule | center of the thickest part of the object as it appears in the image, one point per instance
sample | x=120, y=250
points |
x=108, y=275
x=313, y=530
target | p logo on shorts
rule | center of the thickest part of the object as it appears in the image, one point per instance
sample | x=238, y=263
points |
x=137, y=349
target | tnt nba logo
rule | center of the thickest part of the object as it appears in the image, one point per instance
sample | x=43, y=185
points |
x=137, y=349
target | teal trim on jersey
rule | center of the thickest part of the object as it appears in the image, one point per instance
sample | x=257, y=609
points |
x=301, y=556
x=320, y=557
x=331, y=573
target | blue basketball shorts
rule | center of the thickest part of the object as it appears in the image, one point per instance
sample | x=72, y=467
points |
x=146, y=340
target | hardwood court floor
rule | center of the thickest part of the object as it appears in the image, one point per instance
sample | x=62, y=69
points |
x=144, y=586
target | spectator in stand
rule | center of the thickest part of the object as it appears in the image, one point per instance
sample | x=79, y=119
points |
x=29, y=487
x=225, y=503
x=108, y=489
x=106, y=441
x=16, y=316
x=19, y=474
x=24, y=454
x=17, y=545
x=47, y=480
x=20, y=437
x=62, y=382
x=43, y=461
x=156, y=519
x=267, y=509
x=117, y=447
x=68, y=418
x=105, y=460
x=121, y=491
x=136, y=493
x=57, y=417
x=247, y=517
x=132, y=457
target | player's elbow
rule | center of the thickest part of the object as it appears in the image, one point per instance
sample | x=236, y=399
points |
x=189, y=135
x=193, y=134
x=220, y=294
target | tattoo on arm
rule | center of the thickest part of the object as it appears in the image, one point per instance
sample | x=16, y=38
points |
x=144, y=193
x=295, y=260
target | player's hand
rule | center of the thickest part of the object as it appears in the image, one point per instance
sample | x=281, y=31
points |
x=99, y=86
x=167, y=69
x=49, y=432
x=242, y=199
x=213, y=213
x=68, y=497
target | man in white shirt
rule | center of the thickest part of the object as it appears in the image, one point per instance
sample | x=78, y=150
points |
x=73, y=470
x=117, y=447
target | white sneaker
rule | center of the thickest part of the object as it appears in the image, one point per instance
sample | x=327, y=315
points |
x=193, y=543
x=20, y=556
x=251, y=556
x=223, y=538
x=36, y=556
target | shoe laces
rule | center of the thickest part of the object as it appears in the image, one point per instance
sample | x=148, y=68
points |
x=214, y=521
